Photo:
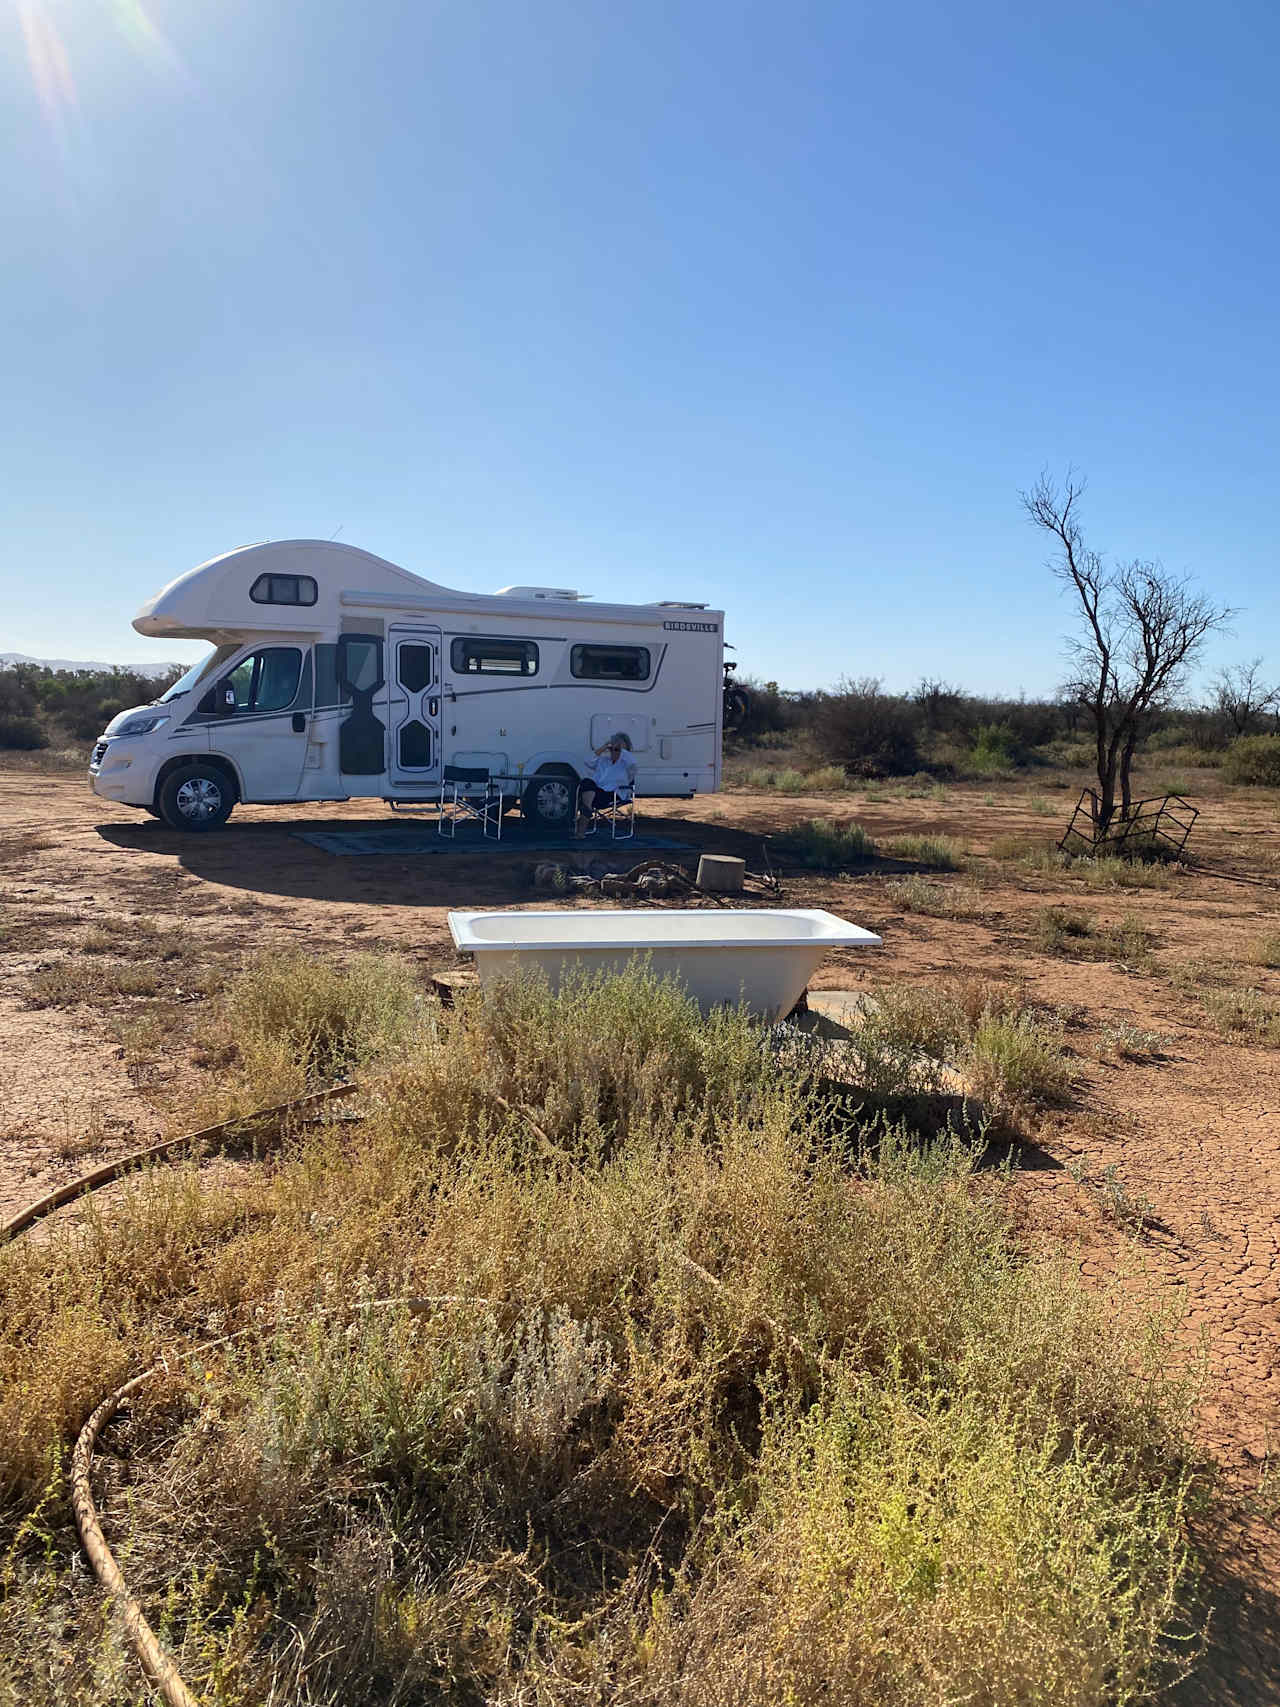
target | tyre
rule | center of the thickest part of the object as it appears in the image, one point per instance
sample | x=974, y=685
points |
x=549, y=800
x=196, y=797
x=737, y=709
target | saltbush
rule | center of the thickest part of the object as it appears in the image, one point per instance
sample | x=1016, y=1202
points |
x=1253, y=760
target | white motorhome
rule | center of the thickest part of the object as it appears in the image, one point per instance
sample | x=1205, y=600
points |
x=336, y=675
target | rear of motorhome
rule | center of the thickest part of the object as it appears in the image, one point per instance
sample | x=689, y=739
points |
x=336, y=675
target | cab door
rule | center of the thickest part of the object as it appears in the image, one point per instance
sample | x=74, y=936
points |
x=258, y=715
x=413, y=705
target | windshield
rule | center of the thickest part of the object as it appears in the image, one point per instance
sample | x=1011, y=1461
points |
x=212, y=661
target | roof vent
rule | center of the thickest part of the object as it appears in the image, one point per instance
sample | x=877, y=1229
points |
x=565, y=595
x=678, y=604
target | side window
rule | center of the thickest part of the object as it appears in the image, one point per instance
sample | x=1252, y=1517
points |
x=359, y=664
x=609, y=663
x=278, y=672
x=284, y=590
x=265, y=681
x=241, y=680
x=476, y=655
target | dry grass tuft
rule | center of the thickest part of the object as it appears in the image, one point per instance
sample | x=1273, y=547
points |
x=928, y=897
x=1264, y=951
x=823, y=844
x=943, y=853
x=1069, y=931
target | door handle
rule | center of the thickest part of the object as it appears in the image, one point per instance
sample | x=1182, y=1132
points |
x=433, y=707
x=299, y=723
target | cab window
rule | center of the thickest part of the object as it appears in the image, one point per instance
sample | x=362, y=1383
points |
x=264, y=681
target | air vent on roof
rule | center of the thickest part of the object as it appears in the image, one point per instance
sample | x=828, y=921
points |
x=566, y=594
x=678, y=604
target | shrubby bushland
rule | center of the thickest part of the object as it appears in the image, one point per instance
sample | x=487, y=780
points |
x=71, y=705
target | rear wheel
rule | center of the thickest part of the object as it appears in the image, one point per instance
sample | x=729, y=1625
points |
x=549, y=800
x=196, y=797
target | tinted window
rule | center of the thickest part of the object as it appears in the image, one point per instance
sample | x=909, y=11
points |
x=278, y=672
x=415, y=746
x=610, y=663
x=415, y=667
x=241, y=679
x=265, y=681
x=359, y=663
x=283, y=590
x=473, y=655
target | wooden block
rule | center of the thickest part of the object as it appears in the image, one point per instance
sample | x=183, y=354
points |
x=721, y=874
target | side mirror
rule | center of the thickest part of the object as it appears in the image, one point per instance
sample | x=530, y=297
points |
x=220, y=699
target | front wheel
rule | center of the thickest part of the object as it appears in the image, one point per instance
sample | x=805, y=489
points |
x=549, y=800
x=196, y=797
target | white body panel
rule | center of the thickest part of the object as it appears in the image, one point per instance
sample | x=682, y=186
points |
x=437, y=702
x=761, y=956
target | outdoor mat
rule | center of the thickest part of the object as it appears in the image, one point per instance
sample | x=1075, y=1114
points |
x=410, y=839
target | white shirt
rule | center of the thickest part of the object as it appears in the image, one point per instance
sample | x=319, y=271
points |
x=607, y=774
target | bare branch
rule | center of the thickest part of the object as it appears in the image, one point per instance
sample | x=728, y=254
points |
x=1142, y=630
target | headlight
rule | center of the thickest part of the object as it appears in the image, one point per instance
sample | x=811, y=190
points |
x=139, y=726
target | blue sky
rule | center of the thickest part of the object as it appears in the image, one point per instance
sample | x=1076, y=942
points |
x=775, y=307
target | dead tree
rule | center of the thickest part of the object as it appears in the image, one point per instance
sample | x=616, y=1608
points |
x=1142, y=628
x=1241, y=696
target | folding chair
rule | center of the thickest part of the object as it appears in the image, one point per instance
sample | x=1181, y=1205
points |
x=619, y=814
x=460, y=802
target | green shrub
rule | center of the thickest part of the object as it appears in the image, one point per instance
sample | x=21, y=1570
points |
x=1253, y=760
x=823, y=844
x=1015, y=1062
x=23, y=734
x=995, y=749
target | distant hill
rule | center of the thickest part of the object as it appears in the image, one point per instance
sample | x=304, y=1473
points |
x=9, y=659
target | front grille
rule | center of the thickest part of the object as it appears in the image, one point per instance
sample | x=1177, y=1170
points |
x=99, y=752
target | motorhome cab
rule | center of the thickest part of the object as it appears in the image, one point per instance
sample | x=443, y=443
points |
x=336, y=675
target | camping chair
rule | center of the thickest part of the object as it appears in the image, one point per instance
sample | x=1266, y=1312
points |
x=619, y=814
x=468, y=793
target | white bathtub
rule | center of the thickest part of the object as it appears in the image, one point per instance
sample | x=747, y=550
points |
x=763, y=956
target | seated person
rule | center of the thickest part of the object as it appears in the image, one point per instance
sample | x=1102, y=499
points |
x=610, y=778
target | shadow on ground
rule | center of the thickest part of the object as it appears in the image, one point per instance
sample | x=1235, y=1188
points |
x=268, y=857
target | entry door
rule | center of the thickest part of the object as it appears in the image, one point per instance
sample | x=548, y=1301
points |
x=414, y=705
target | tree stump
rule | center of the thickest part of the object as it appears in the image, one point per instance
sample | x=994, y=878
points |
x=721, y=874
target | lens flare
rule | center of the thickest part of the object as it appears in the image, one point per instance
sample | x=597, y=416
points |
x=50, y=65
x=146, y=38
